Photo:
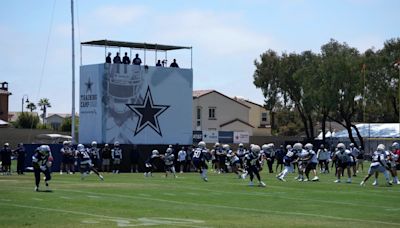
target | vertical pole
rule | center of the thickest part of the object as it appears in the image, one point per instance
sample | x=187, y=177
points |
x=73, y=74
x=22, y=104
x=191, y=57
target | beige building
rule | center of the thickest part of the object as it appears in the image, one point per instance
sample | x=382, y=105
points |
x=214, y=111
x=56, y=119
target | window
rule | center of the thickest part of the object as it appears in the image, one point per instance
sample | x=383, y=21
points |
x=263, y=117
x=198, y=114
x=198, y=123
x=211, y=113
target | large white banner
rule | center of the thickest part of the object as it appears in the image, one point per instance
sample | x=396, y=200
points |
x=139, y=105
x=210, y=136
x=241, y=137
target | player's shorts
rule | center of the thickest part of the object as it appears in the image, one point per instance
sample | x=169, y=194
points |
x=377, y=168
x=65, y=160
x=199, y=164
x=343, y=165
x=168, y=167
x=106, y=161
x=117, y=161
x=312, y=165
x=289, y=168
x=71, y=160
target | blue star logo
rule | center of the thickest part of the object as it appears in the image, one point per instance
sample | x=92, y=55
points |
x=88, y=85
x=148, y=113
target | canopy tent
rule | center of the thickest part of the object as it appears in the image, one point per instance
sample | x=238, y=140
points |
x=148, y=46
x=3, y=123
x=135, y=45
x=369, y=130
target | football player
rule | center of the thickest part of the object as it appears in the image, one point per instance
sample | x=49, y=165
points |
x=66, y=153
x=169, y=158
x=215, y=157
x=221, y=155
x=234, y=160
x=241, y=152
x=86, y=164
x=269, y=155
x=200, y=158
x=149, y=163
x=378, y=164
x=289, y=159
x=42, y=161
x=342, y=159
x=116, y=154
x=312, y=162
x=353, y=158
x=94, y=154
x=253, y=165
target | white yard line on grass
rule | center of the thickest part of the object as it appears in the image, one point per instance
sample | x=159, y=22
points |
x=121, y=222
x=196, y=205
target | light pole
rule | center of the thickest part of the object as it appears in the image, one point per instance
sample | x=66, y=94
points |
x=397, y=66
x=22, y=103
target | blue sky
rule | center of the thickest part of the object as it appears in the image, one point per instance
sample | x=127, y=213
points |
x=226, y=36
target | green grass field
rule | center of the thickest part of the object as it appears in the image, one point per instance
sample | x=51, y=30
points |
x=131, y=200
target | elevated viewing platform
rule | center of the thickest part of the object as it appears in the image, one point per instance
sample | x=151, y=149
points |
x=124, y=99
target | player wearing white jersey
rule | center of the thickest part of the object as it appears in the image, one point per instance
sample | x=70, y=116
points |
x=312, y=162
x=342, y=159
x=378, y=164
x=169, y=158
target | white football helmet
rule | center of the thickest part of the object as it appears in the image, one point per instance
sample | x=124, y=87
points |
x=44, y=149
x=225, y=147
x=341, y=146
x=154, y=152
x=202, y=144
x=80, y=147
x=94, y=144
x=169, y=150
x=289, y=147
x=265, y=147
x=309, y=146
x=116, y=143
x=255, y=149
x=396, y=145
x=298, y=146
x=241, y=145
x=380, y=147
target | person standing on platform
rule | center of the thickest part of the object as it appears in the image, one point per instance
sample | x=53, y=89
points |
x=108, y=58
x=135, y=159
x=117, y=59
x=136, y=60
x=20, y=152
x=125, y=59
x=174, y=64
x=106, y=156
x=158, y=64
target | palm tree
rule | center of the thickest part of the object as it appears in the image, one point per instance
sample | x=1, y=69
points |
x=31, y=106
x=44, y=104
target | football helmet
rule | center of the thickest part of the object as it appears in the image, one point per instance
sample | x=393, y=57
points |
x=202, y=144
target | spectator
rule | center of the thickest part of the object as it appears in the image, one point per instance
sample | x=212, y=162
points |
x=182, y=159
x=189, y=156
x=106, y=155
x=117, y=59
x=158, y=64
x=136, y=60
x=20, y=152
x=6, y=159
x=135, y=159
x=108, y=58
x=174, y=64
x=125, y=59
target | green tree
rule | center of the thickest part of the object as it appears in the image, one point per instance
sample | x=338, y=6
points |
x=44, y=104
x=67, y=124
x=31, y=106
x=27, y=120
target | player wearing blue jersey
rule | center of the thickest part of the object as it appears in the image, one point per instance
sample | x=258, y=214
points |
x=253, y=165
x=289, y=159
x=42, y=161
x=200, y=158
x=150, y=163
x=86, y=164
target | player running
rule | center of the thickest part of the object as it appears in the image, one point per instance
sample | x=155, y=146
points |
x=42, y=161
x=378, y=164
x=253, y=165
x=86, y=164
x=200, y=158
x=169, y=158
x=149, y=164
x=289, y=159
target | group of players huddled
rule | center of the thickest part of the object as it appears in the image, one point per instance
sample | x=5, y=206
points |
x=243, y=162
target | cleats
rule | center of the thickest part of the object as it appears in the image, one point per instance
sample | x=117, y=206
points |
x=315, y=179
x=337, y=181
x=362, y=184
x=261, y=184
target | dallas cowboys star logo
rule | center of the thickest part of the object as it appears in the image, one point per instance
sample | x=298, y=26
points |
x=148, y=113
x=89, y=85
